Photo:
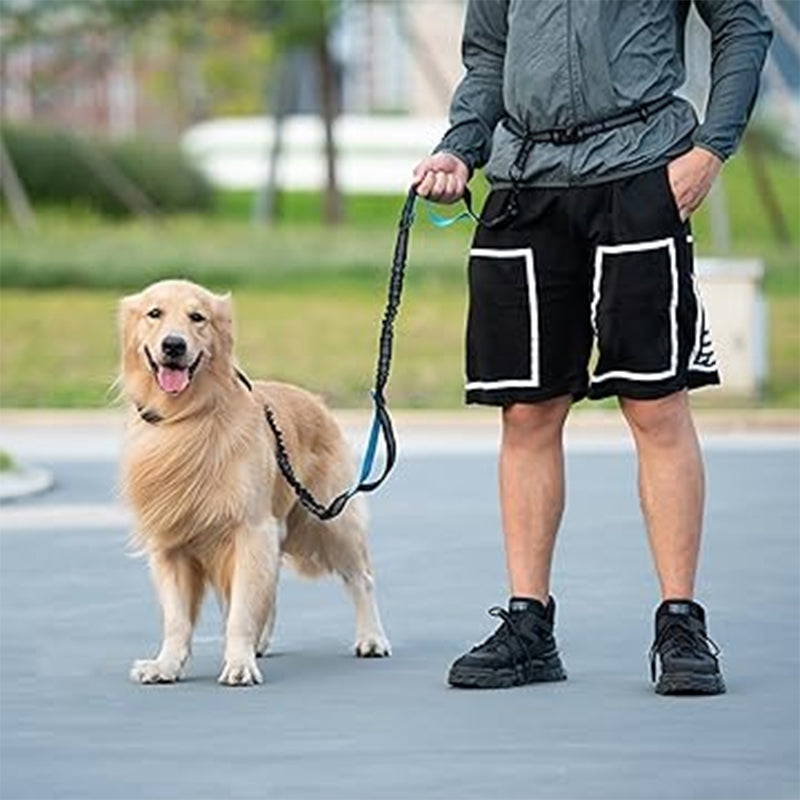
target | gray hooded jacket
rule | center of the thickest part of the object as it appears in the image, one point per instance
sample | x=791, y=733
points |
x=556, y=63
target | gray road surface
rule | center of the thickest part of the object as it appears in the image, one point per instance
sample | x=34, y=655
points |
x=75, y=611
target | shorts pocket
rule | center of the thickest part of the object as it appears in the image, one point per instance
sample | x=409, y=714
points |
x=670, y=203
x=502, y=324
x=634, y=311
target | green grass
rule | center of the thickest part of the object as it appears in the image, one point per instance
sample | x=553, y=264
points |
x=362, y=211
x=81, y=252
x=783, y=388
x=59, y=347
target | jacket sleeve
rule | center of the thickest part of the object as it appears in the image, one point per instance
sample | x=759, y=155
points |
x=740, y=35
x=477, y=105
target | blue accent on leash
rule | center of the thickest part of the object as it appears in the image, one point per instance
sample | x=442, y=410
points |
x=445, y=222
x=372, y=445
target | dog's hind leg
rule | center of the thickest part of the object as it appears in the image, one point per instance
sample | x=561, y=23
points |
x=254, y=570
x=179, y=583
x=371, y=641
x=269, y=625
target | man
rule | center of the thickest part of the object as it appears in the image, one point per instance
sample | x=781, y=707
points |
x=595, y=167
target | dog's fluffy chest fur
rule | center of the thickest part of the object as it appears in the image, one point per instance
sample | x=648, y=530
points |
x=170, y=469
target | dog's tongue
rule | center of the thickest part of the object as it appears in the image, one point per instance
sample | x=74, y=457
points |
x=173, y=380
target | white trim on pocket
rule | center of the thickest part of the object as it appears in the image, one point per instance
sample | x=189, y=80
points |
x=637, y=247
x=525, y=253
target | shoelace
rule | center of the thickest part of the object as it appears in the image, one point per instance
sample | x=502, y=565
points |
x=508, y=629
x=684, y=640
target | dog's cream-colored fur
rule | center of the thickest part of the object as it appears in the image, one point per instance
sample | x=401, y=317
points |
x=210, y=505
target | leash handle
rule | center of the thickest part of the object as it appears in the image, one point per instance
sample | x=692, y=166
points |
x=509, y=210
x=445, y=222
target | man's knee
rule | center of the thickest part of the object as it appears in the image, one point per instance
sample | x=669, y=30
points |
x=524, y=421
x=664, y=420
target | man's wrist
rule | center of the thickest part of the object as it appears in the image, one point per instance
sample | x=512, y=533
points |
x=711, y=151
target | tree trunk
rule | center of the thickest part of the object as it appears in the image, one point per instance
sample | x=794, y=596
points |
x=266, y=205
x=14, y=193
x=329, y=107
x=753, y=149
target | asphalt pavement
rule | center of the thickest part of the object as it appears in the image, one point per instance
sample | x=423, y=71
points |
x=76, y=609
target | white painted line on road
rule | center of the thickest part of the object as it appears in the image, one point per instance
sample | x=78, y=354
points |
x=482, y=443
x=62, y=516
x=60, y=445
x=750, y=441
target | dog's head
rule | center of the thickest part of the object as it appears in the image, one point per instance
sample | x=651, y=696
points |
x=173, y=335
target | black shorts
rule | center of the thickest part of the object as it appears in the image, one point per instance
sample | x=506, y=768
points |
x=610, y=265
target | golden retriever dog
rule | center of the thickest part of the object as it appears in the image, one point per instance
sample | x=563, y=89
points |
x=210, y=505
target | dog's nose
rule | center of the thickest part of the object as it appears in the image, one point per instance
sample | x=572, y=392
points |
x=173, y=346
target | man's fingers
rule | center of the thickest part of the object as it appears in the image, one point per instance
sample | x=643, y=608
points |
x=420, y=172
x=426, y=184
x=691, y=176
x=432, y=185
x=437, y=185
x=455, y=187
x=440, y=186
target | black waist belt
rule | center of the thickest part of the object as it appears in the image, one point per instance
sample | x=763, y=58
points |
x=570, y=134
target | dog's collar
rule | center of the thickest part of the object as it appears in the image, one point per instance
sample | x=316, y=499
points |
x=149, y=415
x=152, y=417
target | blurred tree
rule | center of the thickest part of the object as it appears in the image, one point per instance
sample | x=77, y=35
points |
x=187, y=61
x=304, y=26
x=224, y=53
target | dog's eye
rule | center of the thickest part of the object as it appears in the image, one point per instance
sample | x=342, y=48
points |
x=154, y=313
x=196, y=316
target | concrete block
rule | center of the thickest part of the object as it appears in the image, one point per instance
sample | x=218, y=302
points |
x=736, y=311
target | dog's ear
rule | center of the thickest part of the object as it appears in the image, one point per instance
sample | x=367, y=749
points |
x=223, y=305
x=223, y=317
x=126, y=311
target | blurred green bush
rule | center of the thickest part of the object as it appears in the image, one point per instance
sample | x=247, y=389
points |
x=115, y=179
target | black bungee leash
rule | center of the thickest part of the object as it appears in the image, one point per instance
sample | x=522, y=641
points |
x=381, y=420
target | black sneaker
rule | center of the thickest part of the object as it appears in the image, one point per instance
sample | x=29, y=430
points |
x=522, y=650
x=688, y=657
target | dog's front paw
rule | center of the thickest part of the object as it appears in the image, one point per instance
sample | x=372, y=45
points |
x=240, y=672
x=155, y=671
x=374, y=645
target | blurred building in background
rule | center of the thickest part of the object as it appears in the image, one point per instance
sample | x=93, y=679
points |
x=393, y=56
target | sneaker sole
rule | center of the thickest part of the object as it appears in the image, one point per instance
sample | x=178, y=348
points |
x=504, y=679
x=689, y=683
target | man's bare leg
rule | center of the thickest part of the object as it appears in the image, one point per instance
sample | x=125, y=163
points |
x=523, y=649
x=532, y=492
x=671, y=487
